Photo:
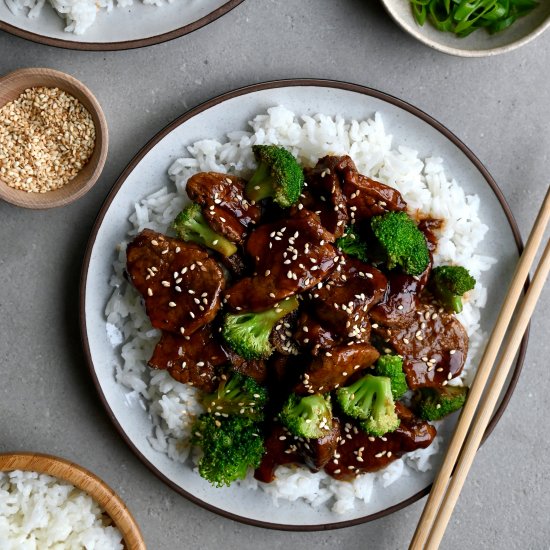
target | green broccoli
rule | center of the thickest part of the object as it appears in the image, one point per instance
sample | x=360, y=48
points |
x=239, y=395
x=435, y=403
x=230, y=446
x=352, y=244
x=248, y=333
x=309, y=417
x=190, y=225
x=400, y=242
x=370, y=400
x=392, y=367
x=448, y=283
x=278, y=175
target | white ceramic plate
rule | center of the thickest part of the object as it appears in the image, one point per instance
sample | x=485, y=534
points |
x=122, y=28
x=478, y=44
x=147, y=172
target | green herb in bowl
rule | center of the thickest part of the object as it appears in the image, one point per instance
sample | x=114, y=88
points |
x=462, y=17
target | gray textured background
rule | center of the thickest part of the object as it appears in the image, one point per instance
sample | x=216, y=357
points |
x=499, y=106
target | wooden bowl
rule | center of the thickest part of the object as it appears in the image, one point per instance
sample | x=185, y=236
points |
x=84, y=480
x=12, y=86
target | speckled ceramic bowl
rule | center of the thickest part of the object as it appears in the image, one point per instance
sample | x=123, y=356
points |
x=147, y=173
x=478, y=44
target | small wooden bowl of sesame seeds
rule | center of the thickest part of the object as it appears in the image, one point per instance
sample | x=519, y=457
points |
x=53, y=138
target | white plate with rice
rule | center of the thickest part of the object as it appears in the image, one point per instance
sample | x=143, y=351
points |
x=389, y=140
x=108, y=24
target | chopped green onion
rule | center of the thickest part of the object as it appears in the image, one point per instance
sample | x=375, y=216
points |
x=463, y=17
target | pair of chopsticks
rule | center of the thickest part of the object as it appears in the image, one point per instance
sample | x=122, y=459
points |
x=474, y=419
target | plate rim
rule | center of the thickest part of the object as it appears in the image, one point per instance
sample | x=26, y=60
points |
x=123, y=44
x=245, y=90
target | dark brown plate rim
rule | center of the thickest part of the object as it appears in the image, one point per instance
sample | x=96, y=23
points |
x=123, y=45
x=190, y=114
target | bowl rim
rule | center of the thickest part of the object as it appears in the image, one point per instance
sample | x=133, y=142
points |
x=84, y=480
x=152, y=143
x=415, y=32
x=125, y=44
x=101, y=129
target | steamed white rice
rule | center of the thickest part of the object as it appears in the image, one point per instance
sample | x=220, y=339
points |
x=424, y=185
x=79, y=15
x=40, y=512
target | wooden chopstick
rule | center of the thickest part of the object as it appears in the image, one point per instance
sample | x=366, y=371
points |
x=441, y=501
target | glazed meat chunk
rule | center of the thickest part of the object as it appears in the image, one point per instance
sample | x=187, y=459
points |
x=323, y=195
x=313, y=335
x=367, y=197
x=290, y=256
x=401, y=300
x=359, y=452
x=191, y=360
x=402, y=297
x=223, y=204
x=279, y=450
x=284, y=448
x=433, y=345
x=318, y=452
x=254, y=368
x=180, y=284
x=343, y=301
x=331, y=369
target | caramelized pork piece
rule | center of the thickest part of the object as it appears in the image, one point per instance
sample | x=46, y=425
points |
x=402, y=297
x=317, y=453
x=433, y=345
x=323, y=195
x=190, y=359
x=180, y=283
x=342, y=302
x=255, y=368
x=279, y=450
x=284, y=448
x=313, y=335
x=331, y=369
x=401, y=300
x=290, y=256
x=359, y=452
x=223, y=204
x=365, y=197
x=429, y=226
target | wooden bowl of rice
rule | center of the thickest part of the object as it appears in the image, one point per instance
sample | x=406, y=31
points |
x=53, y=138
x=64, y=471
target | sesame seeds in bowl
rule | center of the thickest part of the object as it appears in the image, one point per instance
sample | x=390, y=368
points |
x=53, y=138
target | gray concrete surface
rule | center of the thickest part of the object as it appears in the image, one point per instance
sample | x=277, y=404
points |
x=499, y=106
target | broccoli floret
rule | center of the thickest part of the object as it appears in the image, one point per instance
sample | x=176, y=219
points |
x=248, y=333
x=448, y=283
x=392, y=367
x=239, y=395
x=278, y=175
x=309, y=417
x=230, y=445
x=190, y=225
x=370, y=400
x=434, y=404
x=352, y=244
x=400, y=242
